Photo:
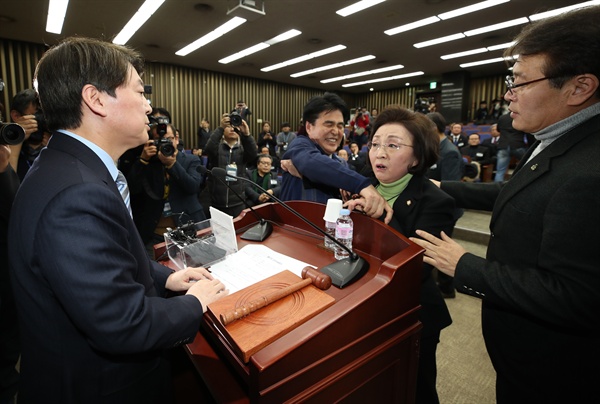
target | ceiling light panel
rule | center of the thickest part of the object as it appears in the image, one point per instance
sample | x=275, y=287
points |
x=356, y=7
x=211, y=36
x=471, y=9
x=138, y=19
x=304, y=58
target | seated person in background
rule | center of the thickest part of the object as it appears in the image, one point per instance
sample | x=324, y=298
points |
x=403, y=147
x=456, y=136
x=276, y=163
x=357, y=158
x=476, y=151
x=343, y=155
x=284, y=138
x=263, y=176
x=315, y=173
x=164, y=187
x=233, y=149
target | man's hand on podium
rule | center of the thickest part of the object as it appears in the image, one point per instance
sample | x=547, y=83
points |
x=199, y=283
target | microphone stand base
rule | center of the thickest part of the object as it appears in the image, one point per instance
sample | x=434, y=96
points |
x=258, y=232
x=346, y=271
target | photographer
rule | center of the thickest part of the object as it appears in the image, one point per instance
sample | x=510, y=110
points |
x=10, y=346
x=230, y=147
x=164, y=185
x=25, y=110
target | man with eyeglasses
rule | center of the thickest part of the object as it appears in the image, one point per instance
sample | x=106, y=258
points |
x=540, y=281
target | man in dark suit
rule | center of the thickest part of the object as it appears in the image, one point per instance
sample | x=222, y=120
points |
x=539, y=282
x=456, y=136
x=10, y=347
x=97, y=319
x=164, y=185
x=476, y=151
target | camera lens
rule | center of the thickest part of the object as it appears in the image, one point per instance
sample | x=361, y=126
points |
x=235, y=119
x=11, y=133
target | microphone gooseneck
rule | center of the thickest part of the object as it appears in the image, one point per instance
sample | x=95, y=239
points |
x=342, y=272
x=257, y=233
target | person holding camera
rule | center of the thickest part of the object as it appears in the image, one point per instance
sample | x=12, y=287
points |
x=164, y=185
x=25, y=111
x=230, y=147
x=10, y=345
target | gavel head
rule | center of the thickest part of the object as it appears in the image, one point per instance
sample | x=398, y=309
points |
x=319, y=279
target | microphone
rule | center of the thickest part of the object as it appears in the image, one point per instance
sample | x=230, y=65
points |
x=342, y=272
x=262, y=229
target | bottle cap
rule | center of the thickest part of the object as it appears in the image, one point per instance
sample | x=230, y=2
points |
x=344, y=212
x=332, y=211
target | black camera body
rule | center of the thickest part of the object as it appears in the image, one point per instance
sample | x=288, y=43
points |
x=165, y=146
x=235, y=119
x=37, y=136
x=161, y=123
x=11, y=133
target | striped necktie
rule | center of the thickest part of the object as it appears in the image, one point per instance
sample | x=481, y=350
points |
x=124, y=190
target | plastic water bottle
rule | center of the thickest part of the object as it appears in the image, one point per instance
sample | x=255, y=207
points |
x=330, y=229
x=344, y=228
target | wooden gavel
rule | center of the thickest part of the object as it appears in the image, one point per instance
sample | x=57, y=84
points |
x=309, y=276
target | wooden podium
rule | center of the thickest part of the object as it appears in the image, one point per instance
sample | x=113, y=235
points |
x=362, y=348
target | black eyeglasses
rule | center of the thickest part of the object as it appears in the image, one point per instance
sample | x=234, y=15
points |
x=510, y=82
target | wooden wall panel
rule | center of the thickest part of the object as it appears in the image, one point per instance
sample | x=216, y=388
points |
x=191, y=94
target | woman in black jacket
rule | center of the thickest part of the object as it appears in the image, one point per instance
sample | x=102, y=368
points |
x=403, y=146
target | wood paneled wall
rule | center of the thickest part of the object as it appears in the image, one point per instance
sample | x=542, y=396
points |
x=191, y=94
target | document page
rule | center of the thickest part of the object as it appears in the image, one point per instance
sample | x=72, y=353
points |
x=251, y=264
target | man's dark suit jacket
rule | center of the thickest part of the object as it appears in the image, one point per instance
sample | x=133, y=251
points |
x=94, y=319
x=541, y=281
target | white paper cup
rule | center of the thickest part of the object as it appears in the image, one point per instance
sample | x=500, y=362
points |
x=332, y=211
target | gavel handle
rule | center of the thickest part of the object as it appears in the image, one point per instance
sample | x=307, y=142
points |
x=262, y=301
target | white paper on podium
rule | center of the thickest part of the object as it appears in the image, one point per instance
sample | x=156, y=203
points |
x=251, y=264
x=223, y=229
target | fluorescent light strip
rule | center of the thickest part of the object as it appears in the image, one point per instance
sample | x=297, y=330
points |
x=356, y=7
x=359, y=74
x=211, y=36
x=478, y=50
x=494, y=27
x=487, y=61
x=303, y=58
x=139, y=18
x=465, y=53
x=57, y=9
x=332, y=66
x=284, y=37
x=439, y=40
x=258, y=47
x=558, y=11
x=245, y=52
x=501, y=46
x=444, y=16
x=412, y=25
x=401, y=76
x=470, y=9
